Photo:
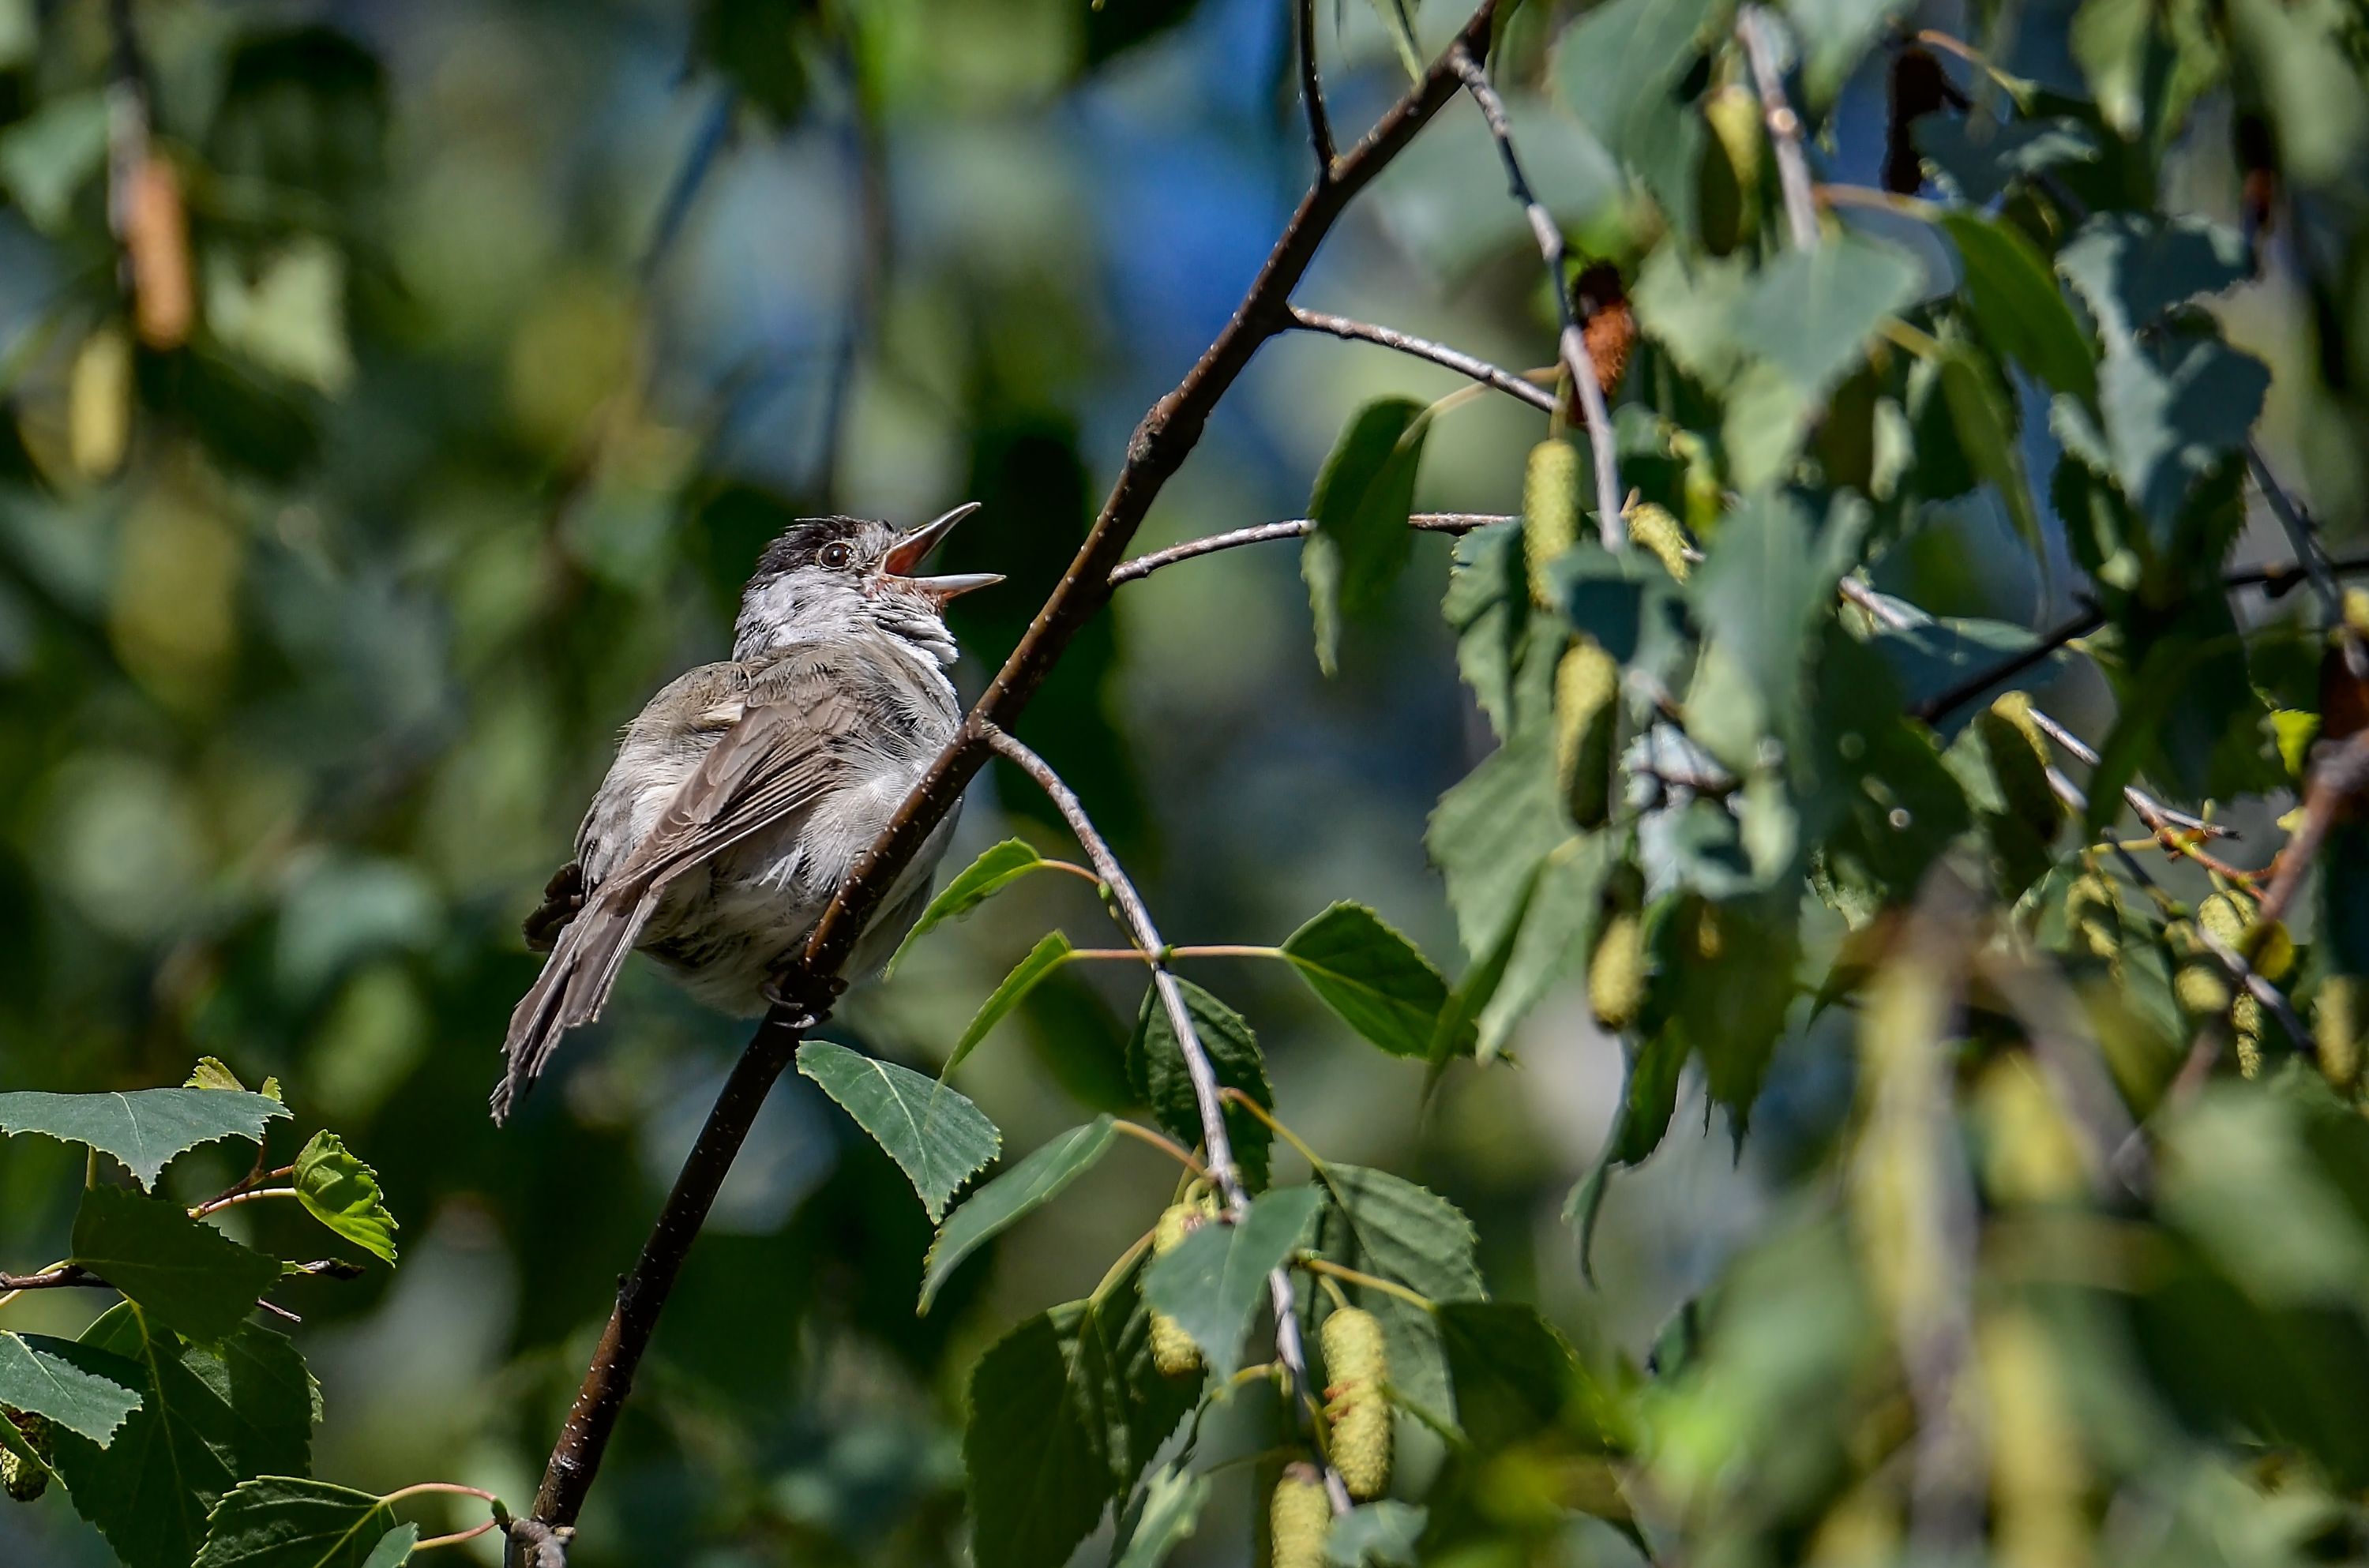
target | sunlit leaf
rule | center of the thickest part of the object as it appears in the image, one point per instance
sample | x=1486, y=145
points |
x=935, y=1135
x=2016, y=298
x=343, y=1194
x=1216, y=1279
x=996, y=867
x=1812, y=312
x=1052, y=951
x=1377, y=980
x=49, y=1378
x=1013, y=1197
x=144, y=1128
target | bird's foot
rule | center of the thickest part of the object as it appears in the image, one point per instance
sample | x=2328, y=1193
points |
x=806, y=997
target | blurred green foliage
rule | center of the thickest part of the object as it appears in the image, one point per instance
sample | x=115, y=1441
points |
x=395, y=396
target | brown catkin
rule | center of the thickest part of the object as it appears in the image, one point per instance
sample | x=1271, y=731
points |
x=1550, y=509
x=1616, y=972
x=1586, y=682
x=1172, y=1350
x=1357, y=1411
x=22, y=1480
x=1656, y=530
x=2336, y=1032
x=1298, y=1518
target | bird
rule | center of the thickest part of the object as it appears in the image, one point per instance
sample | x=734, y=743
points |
x=746, y=790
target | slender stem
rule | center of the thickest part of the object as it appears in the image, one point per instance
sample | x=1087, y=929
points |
x=1235, y=1096
x=1834, y=195
x=2153, y=812
x=1143, y=566
x=1221, y=950
x=1206, y=1092
x=1941, y=703
x=232, y=1200
x=1326, y=1266
x=1162, y=1142
x=1463, y=364
x=442, y=1488
x=1611, y=527
x=433, y=1542
x=1074, y=869
x=1311, y=93
x=1164, y=439
x=1752, y=25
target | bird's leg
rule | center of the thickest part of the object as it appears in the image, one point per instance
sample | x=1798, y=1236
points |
x=802, y=992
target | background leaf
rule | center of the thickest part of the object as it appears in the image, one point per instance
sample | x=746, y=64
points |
x=1360, y=504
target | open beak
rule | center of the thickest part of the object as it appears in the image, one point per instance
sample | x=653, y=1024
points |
x=910, y=550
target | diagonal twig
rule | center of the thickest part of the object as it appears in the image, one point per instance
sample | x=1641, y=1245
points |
x=2312, y=558
x=1752, y=25
x=1128, y=909
x=1572, y=343
x=1456, y=360
x=1143, y=566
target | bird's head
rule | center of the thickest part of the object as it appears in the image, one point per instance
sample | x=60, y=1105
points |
x=826, y=576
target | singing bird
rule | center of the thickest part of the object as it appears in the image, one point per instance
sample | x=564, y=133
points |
x=746, y=790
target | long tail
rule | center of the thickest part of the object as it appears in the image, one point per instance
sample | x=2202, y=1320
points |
x=572, y=989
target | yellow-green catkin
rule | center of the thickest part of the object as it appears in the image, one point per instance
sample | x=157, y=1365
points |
x=1735, y=113
x=98, y=404
x=1616, y=972
x=2231, y=918
x=2019, y=762
x=1653, y=527
x=2336, y=1032
x=1550, y=509
x=22, y=1480
x=1357, y=1410
x=2246, y=1023
x=2093, y=917
x=2039, y=1473
x=1298, y=1518
x=1586, y=717
x=1172, y=1350
x=2200, y=984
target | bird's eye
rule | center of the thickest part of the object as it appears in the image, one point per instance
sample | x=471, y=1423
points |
x=835, y=555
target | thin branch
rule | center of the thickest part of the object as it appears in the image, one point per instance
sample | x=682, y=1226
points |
x=1128, y=910
x=2340, y=773
x=2158, y=817
x=1143, y=566
x=1166, y=435
x=1463, y=364
x=1311, y=93
x=62, y=1276
x=1752, y=25
x=1611, y=527
x=1935, y=708
x=2312, y=556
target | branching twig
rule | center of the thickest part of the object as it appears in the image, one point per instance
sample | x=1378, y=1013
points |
x=1784, y=126
x=1463, y=364
x=1128, y=909
x=2173, y=829
x=1160, y=443
x=1611, y=527
x=1143, y=566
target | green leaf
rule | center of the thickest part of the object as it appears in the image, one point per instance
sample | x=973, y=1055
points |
x=287, y=315
x=1929, y=656
x=47, y=1376
x=1515, y=1376
x=2129, y=268
x=211, y=1073
x=1389, y=1227
x=1811, y=312
x=1980, y=158
x=209, y=1419
x=46, y=157
x=144, y=1129
x=1377, y=980
x=1769, y=575
x=1487, y=605
x=1376, y=1535
x=185, y=1273
x=343, y=1194
x=1052, y=951
x=1985, y=422
x=281, y=1521
x=935, y=1135
x=1213, y=1282
x=1155, y=1065
x=1011, y=1197
x=1477, y=987
x=393, y=1548
x=2175, y=407
x=1557, y=932
x=1692, y=304
x=1360, y=504
x=998, y=867
x=2015, y=297
x=1173, y=1501
x=1617, y=69
x=1491, y=830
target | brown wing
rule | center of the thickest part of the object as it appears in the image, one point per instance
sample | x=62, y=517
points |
x=784, y=751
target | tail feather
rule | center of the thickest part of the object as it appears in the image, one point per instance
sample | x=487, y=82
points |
x=571, y=991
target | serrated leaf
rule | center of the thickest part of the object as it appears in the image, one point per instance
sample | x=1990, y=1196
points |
x=2129, y=268
x=1376, y=1535
x=1363, y=496
x=998, y=867
x=209, y=1419
x=1155, y=1066
x=343, y=1194
x=2175, y=407
x=1985, y=422
x=144, y=1129
x=281, y=1521
x=1011, y=1197
x=2015, y=297
x=1172, y=1500
x=183, y=1272
x=1052, y=951
x=1216, y=1279
x=1557, y=932
x=1766, y=580
x=1389, y=1226
x=1515, y=1376
x=1811, y=312
x=211, y=1073
x=1487, y=605
x=935, y=1135
x=1375, y=980
x=46, y=1377
x=1491, y=830
x=1980, y=158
